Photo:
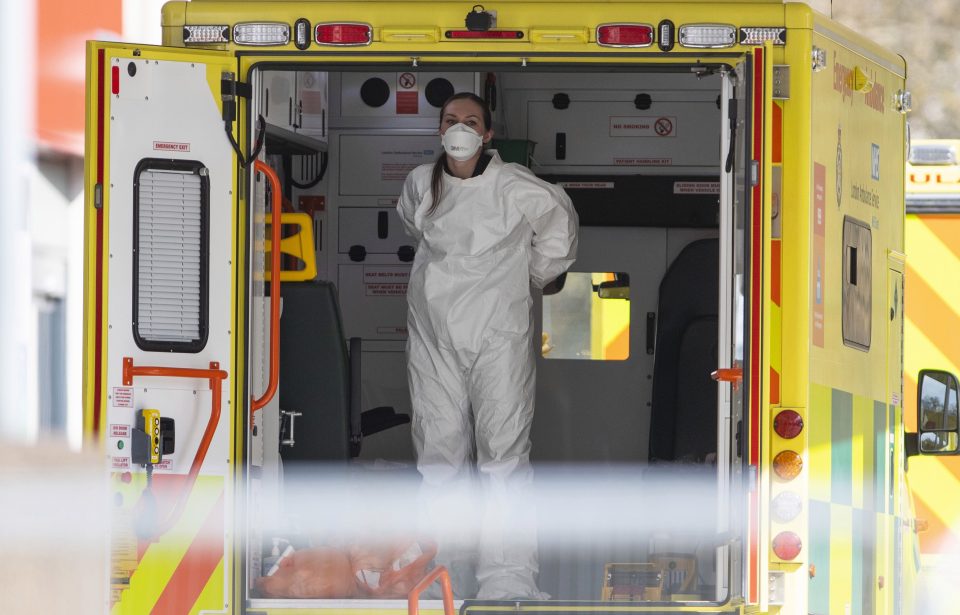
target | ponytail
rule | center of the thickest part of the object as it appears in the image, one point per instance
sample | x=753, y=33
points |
x=436, y=182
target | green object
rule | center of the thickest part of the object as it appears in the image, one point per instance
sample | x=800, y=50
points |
x=120, y=444
x=515, y=150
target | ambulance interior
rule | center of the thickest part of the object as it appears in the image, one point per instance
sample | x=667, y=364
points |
x=629, y=337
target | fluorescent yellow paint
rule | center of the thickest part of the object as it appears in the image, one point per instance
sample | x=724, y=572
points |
x=608, y=319
x=818, y=454
x=921, y=353
x=161, y=558
x=929, y=257
x=841, y=557
x=862, y=430
x=211, y=594
x=939, y=489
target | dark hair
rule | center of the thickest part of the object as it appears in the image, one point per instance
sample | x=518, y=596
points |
x=436, y=180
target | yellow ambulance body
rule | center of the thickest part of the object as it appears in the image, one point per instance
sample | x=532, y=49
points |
x=738, y=171
x=933, y=205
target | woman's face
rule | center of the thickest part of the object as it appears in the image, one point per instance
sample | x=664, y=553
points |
x=467, y=112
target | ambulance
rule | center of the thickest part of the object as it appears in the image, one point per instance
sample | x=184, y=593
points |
x=736, y=307
x=933, y=205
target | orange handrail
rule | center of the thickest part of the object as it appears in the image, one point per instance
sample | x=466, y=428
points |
x=413, y=598
x=276, y=206
x=216, y=376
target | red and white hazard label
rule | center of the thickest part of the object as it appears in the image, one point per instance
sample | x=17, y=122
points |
x=122, y=397
x=643, y=126
x=696, y=187
x=408, y=94
x=385, y=281
x=170, y=146
x=586, y=185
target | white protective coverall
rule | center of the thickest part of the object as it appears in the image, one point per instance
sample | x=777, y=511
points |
x=471, y=355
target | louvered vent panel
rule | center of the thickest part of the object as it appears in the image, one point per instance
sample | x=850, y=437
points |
x=170, y=231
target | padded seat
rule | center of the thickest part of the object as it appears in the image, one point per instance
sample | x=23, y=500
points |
x=683, y=422
x=321, y=379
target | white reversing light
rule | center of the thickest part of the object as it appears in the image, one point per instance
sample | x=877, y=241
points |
x=200, y=35
x=707, y=36
x=758, y=36
x=261, y=33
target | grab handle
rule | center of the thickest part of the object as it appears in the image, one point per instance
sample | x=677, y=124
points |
x=263, y=400
x=216, y=377
x=413, y=598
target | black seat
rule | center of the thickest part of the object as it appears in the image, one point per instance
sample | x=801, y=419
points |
x=320, y=379
x=683, y=422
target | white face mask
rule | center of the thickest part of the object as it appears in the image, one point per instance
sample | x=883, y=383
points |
x=461, y=142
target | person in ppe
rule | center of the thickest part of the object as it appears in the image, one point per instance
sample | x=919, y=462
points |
x=485, y=231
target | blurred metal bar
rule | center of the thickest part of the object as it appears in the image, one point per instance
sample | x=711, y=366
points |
x=18, y=421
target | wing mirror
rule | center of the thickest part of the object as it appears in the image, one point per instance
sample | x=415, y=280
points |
x=938, y=415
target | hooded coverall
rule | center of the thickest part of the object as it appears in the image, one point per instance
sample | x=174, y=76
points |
x=471, y=353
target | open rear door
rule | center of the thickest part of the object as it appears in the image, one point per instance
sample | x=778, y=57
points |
x=159, y=373
x=740, y=331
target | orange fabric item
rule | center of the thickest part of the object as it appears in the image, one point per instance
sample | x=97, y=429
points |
x=323, y=572
x=391, y=570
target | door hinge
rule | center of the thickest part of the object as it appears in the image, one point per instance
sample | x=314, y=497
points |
x=781, y=82
x=98, y=196
x=232, y=88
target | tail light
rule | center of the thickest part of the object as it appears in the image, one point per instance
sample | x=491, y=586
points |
x=344, y=34
x=787, y=546
x=788, y=424
x=625, y=35
x=787, y=464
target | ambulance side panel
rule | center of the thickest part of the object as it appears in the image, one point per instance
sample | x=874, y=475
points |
x=861, y=544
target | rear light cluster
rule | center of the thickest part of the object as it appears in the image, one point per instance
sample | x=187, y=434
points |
x=787, y=505
x=665, y=34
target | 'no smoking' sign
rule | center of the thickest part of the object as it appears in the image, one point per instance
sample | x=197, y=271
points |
x=663, y=127
x=408, y=94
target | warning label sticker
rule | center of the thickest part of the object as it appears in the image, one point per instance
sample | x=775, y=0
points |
x=118, y=430
x=385, y=281
x=120, y=463
x=169, y=146
x=395, y=165
x=386, y=290
x=643, y=162
x=122, y=397
x=696, y=187
x=586, y=185
x=408, y=94
x=643, y=126
x=391, y=330
x=396, y=171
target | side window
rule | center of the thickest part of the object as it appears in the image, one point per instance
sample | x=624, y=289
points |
x=857, y=283
x=171, y=212
x=587, y=316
